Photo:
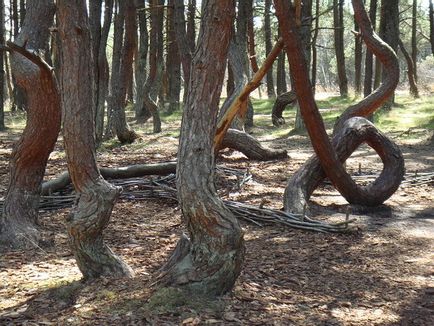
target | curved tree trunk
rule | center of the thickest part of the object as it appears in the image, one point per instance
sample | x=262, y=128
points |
x=279, y=106
x=314, y=124
x=95, y=196
x=18, y=223
x=211, y=260
x=251, y=147
x=411, y=73
x=354, y=132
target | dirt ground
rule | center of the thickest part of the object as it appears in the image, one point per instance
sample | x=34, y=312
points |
x=380, y=273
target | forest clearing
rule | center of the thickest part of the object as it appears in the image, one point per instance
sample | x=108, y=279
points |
x=379, y=273
x=217, y=162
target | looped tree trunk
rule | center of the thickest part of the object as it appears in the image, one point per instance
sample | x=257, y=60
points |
x=279, y=106
x=355, y=132
x=324, y=149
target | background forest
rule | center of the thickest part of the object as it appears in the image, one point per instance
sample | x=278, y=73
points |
x=257, y=162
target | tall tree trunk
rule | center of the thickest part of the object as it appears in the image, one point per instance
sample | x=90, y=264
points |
x=314, y=49
x=122, y=68
x=18, y=223
x=153, y=83
x=95, y=196
x=389, y=33
x=22, y=11
x=252, y=46
x=173, y=61
x=2, y=66
x=357, y=61
x=184, y=39
x=369, y=59
x=141, y=67
x=281, y=85
x=338, y=18
x=304, y=24
x=211, y=260
x=103, y=72
x=431, y=24
x=239, y=65
x=410, y=70
x=414, y=38
x=268, y=46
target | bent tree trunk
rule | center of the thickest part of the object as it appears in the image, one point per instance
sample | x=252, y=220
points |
x=411, y=72
x=210, y=261
x=279, y=106
x=18, y=223
x=315, y=126
x=354, y=132
x=95, y=196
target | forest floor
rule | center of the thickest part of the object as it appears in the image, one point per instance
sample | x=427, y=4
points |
x=379, y=273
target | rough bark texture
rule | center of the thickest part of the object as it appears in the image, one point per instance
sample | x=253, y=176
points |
x=314, y=124
x=369, y=59
x=210, y=261
x=411, y=73
x=354, y=132
x=173, y=62
x=251, y=147
x=279, y=106
x=30, y=154
x=338, y=18
x=95, y=197
x=281, y=86
x=268, y=46
x=122, y=69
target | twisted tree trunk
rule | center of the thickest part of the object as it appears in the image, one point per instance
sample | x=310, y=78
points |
x=18, y=223
x=210, y=261
x=95, y=197
x=411, y=73
x=324, y=149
